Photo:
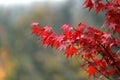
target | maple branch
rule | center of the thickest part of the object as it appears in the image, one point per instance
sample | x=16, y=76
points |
x=109, y=55
x=94, y=67
x=98, y=70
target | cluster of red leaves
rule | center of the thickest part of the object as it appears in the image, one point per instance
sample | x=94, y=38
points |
x=112, y=8
x=94, y=46
x=90, y=41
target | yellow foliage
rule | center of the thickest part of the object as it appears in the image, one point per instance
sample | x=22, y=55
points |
x=5, y=65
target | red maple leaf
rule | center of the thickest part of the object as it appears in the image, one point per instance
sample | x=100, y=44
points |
x=116, y=2
x=100, y=7
x=66, y=27
x=81, y=27
x=91, y=71
x=35, y=30
x=90, y=41
x=35, y=24
x=48, y=28
x=70, y=51
x=89, y=4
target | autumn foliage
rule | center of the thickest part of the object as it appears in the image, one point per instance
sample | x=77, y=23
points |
x=94, y=46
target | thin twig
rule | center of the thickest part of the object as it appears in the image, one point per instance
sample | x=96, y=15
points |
x=98, y=70
x=109, y=55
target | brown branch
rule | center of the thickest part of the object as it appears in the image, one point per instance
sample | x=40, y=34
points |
x=98, y=70
x=109, y=55
x=93, y=66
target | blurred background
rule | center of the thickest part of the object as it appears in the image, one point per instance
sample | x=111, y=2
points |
x=21, y=55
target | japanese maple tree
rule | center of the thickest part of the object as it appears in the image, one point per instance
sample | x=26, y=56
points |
x=95, y=47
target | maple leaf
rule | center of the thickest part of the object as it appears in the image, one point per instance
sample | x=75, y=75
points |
x=46, y=41
x=81, y=27
x=101, y=64
x=70, y=51
x=100, y=7
x=35, y=30
x=98, y=1
x=35, y=24
x=116, y=2
x=62, y=46
x=57, y=42
x=107, y=36
x=89, y=4
x=88, y=39
x=87, y=56
x=59, y=38
x=112, y=26
x=48, y=28
x=66, y=27
x=110, y=73
x=68, y=35
x=78, y=32
x=91, y=71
